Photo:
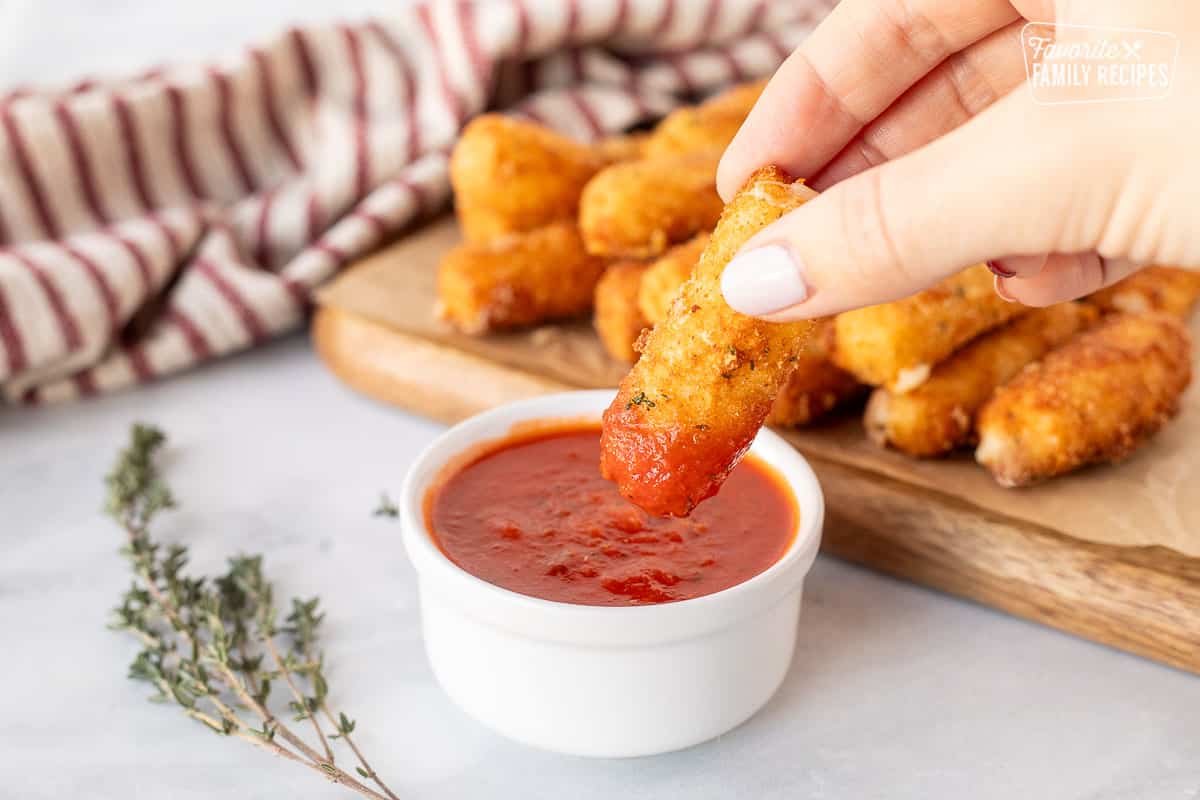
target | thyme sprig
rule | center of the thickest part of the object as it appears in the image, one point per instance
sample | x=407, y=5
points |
x=214, y=647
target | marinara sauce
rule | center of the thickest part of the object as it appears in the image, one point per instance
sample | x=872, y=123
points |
x=532, y=514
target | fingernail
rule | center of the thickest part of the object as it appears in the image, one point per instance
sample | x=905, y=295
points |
x=998, y=283
x=999, y=271
x=763, y=280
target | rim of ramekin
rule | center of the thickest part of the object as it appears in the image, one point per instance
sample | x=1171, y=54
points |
x=554, y=620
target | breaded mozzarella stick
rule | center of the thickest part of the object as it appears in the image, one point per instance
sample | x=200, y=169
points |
x=1095, y=399
x=1170, y=289
x=523, y=279
x=939, y=415
x=662, y=280
x=897, y=344
x=618, y=320
x=511, y=176
x=637, y=209
x=708, y=375
x=816, y=387
x=710, y=125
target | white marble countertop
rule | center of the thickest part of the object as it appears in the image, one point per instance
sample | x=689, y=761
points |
x=896, y=692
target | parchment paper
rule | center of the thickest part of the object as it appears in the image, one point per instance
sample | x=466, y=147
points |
x=1152, y=499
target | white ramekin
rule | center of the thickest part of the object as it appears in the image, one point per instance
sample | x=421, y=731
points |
x=597, y=680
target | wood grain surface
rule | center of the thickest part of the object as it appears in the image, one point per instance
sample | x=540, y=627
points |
x=1145, y=600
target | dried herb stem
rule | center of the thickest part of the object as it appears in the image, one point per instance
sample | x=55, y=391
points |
x=205, y=641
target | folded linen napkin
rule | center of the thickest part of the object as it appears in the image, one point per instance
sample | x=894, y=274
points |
x=152, y=223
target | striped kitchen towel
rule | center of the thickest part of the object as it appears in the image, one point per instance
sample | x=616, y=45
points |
x=152, y=223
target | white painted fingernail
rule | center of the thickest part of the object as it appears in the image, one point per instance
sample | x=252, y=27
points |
x=763, y=280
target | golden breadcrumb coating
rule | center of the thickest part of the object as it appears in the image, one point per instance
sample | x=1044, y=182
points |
x=511, y=176
x=637, y=209
x=708, y=375
x=817, y=386
x=622, y=147
x=522, y=279
x=939, y=415
x=1170, y=289
x=618, y=320
x=662, y=280
x=1095, y=399
x=710, y=125
x=897, y=344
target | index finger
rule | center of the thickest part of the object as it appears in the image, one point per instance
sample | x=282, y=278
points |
x=859, y=60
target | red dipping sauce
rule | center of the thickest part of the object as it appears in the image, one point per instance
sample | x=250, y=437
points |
x=532, y=514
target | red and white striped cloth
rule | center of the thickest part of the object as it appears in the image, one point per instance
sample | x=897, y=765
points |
x=152, y=223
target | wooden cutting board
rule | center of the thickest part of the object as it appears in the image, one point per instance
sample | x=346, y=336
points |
x=374, y=331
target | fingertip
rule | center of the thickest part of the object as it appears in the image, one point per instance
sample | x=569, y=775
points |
x=1061, y=277
x=731, y=172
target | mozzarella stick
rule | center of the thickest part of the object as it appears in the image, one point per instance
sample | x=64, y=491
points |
x=511, y=176
x=939, y=415
x=1170, y=289
x=710, y=125
x=662, y=280
x=1095, y=399
x=618, y=320
x=637, y=209
x=690, y=407
x=897, y=344
x=817, y=386
x=523, y=279
x=622, y=147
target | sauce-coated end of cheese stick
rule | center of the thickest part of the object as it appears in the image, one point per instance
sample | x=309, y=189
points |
x=708, y=375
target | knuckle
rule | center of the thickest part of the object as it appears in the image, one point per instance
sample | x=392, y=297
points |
x=870, y=146
x=916, y=32
x=969, y=88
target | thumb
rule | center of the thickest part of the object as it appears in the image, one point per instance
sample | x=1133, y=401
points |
x=1010, y=181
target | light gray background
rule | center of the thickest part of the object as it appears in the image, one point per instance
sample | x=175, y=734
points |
x=896, y=692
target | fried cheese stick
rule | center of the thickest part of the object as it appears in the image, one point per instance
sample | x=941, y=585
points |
x=522, y=279
x=637, y=209
x=1095, y=399
x=618, y=320
x=662, y=280
x=710, y=125
x=816, y=387
x=621, y=147
x=511, y=176
x=687, y=411
x=1170, y=289
x=939, y=415
x=897, y=344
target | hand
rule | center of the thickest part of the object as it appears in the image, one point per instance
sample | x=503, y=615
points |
x=912, y=119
